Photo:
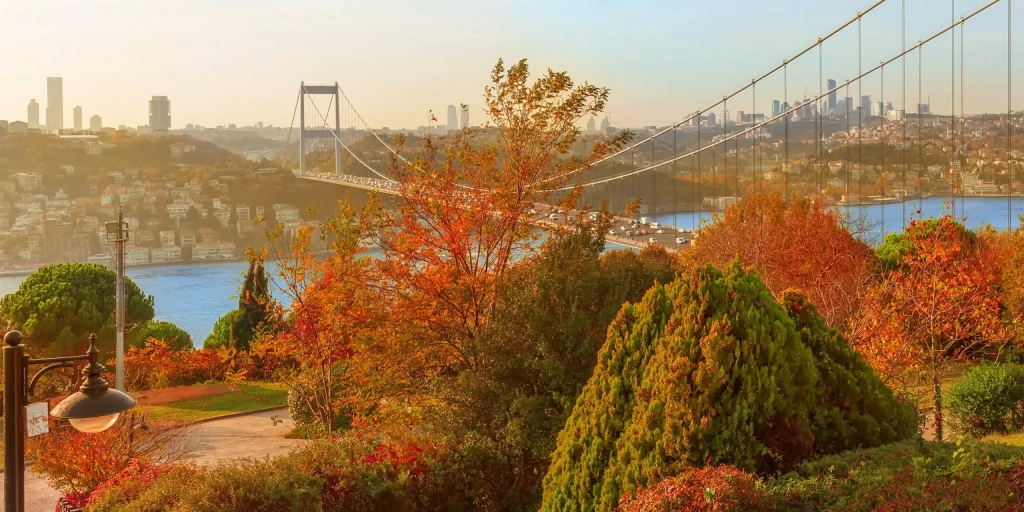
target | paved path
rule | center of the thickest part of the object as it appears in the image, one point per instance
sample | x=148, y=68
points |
x=250, y=436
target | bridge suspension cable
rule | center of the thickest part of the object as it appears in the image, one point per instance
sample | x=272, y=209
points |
x=857, y=79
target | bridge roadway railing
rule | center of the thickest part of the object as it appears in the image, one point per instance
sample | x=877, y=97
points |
x=375, y=184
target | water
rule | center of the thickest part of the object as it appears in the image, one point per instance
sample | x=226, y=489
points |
x=889, y=218
x=194, y=296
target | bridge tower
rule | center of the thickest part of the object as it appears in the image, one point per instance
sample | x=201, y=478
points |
x=322, y=128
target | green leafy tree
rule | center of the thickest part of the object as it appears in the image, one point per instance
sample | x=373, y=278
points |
x=552, y=314
x=58, y=306
x=712, y=370
x=223, y=334
x=163, y=331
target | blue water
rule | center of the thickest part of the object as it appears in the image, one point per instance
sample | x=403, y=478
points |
x=890, y=218
x=194, y=296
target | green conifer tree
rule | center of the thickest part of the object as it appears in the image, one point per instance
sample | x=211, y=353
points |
x=712, y=369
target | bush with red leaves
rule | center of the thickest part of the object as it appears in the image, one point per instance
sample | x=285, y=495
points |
x=720, y=488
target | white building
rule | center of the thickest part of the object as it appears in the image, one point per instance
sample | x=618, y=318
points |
x=134, y=255
x=29, y=180
x=167, y=238
x=213, y=251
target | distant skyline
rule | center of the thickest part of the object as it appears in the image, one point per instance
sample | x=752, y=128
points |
x=240, y=62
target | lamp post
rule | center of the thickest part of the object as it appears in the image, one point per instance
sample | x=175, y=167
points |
x=94, y=408
x=117, y=233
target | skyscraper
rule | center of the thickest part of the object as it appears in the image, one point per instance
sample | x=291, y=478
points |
x=605, y=124
x=159, y=113
x=776, y=108
x=831, y=85
x=865, y=104
x=54, y=103
x=33, y=115
x=95, y=123
x=453, y=122
x=463, y=116
x=78, y=118
x=591, y=125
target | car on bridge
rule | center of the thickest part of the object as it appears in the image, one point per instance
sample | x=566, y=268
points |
x=652, y=240
x=682, y=241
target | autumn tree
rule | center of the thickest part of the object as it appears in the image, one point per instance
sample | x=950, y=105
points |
x=940, y=303
x=799, y=244
x=464, y=214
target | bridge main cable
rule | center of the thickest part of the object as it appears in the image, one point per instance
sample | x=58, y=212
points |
x=780, y=116
x=753, y=82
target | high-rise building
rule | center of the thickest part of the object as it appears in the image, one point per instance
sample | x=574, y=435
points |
x=95, y=123
x=591, y=124
x=847, y=105
x=776, y=108
x=605, y=124
x=785, y=107
x=78, y=118
x=463, y=116
x=923, y=108
x=55, y=103
x=831, y=85
x=33, y=115
x=453, y=121
x=739, y=117
x=159, y=113
x=865, y=104
x=878, y=109
x=711, y=119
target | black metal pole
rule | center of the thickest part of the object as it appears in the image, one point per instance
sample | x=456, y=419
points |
x=14, y=423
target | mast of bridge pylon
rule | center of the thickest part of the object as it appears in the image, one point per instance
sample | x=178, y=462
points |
x=323, y=131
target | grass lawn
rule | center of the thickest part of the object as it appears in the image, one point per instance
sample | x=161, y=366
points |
x=253, y=396
x=1010, y=439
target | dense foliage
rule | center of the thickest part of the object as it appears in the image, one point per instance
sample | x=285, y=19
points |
x=989, y=398
x=711, y=369
x=163, y=331
x=715, y=488
x=238, y=327
x=551, y=317
x=940, y=303
x=772, y=235
x=59, y=306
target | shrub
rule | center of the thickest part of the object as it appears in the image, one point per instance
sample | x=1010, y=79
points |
x=989, y=398
x=72, y=461
x=157, y=365
x=908, y=476
x=712, y=370
x=719, y=488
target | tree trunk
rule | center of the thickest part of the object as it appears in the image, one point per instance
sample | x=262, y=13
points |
x=938, y=393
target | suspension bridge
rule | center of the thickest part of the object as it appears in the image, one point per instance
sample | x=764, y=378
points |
x=889, y=157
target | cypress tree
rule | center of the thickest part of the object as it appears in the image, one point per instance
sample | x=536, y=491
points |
x=712, y=369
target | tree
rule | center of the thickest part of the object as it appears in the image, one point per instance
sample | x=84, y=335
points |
x=465, y=216
x=798, y=244
x=940, y=303
x=551, y=316
x=709, y=370
x=59, y=306
x=163, y=331
x=237, y=328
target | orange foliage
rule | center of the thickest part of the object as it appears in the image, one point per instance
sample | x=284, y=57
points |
x=799, y=244
x=941, y=302
x=157, y=365
x=707, y=489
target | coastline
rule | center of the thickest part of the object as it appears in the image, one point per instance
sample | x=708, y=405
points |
x=25, y=272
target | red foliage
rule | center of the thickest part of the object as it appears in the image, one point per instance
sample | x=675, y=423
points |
x=799, y=244
x=408, y=458
x=985, y=491
x=157, y=365
x=718, y=488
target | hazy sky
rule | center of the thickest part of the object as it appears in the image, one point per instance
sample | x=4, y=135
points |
x=241, y=61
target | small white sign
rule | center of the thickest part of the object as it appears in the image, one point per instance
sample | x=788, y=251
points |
x=38, y=415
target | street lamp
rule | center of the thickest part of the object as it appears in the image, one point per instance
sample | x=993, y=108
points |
x=94, y=408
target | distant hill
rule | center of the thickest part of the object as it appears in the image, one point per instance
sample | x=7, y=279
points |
x=46, y=154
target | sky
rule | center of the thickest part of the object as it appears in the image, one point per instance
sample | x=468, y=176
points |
x=241, y=61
